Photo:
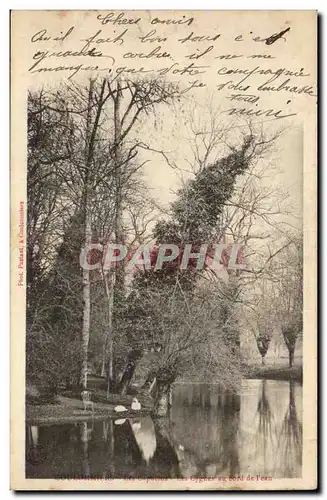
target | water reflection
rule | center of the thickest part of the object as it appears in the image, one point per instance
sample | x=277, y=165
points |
x=290, y=440
x=145, y=436
x=266, y=431
x=207, y=425
x=207, y=434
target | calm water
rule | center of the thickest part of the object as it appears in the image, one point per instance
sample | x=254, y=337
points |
x=208, y=434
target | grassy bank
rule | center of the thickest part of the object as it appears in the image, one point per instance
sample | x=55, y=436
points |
x=276, y=372
x=66, y=410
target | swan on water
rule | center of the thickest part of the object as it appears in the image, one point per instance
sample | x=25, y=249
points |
x=120, y=408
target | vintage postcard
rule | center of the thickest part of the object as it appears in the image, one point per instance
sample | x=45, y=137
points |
x=163, y=250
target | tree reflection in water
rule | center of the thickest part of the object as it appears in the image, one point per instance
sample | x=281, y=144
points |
x=208, y=433
x=273, y=441
x=290, y=438
x=86, y=436
x=145, y=435
x=266, y=430
x=229, y=464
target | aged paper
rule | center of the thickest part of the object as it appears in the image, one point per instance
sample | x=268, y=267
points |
x=134, y=132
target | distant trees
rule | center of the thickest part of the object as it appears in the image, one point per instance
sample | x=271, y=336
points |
x=263, y=340
x=290, y=296
x=256, y=215
x=276, y=301
x=263, y=326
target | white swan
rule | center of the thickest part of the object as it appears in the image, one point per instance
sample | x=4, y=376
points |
x=136, y=405
x=120, y=408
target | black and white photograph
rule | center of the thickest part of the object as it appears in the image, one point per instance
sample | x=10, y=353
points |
x=164, y=250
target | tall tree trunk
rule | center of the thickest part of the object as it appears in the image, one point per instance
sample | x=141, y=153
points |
x=107, y=361
x=170, y=397
x=86, y=326
x=162, y=395
x=161, y=404
x=150, y=382
x=290, y=357
x=90, y=138
x=262, y=360
x=87, y=239
x=127, y=377
x=118, y=234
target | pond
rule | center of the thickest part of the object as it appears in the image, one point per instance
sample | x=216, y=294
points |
x=207, y=434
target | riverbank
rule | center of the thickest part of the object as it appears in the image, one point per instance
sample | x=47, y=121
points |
x=276, y=373
x=66, y=410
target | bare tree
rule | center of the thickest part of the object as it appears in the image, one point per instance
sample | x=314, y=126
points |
x=262, y=318
x=289, y=300
x=96, y=172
